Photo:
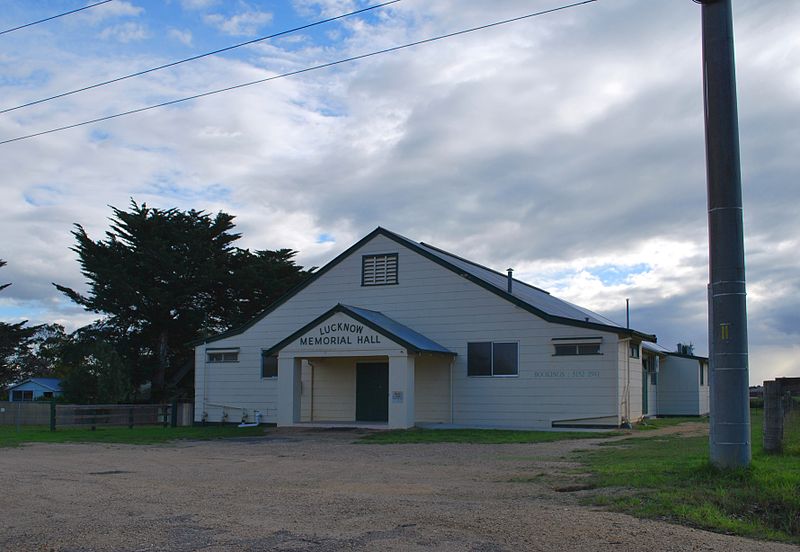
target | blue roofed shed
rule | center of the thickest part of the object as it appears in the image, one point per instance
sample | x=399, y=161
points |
x=33, y=389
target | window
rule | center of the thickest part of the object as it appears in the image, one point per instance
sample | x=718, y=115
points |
x=18, y=396
x=633, y=350
x=702, y=373
x=269, y=365
x=379, y=270
x=227, y=355
x=492, y=359
x=577, y=349
x=653, y=378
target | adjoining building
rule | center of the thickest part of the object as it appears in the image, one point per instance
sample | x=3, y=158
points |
x=674, y=383
x=398, y=333
x=33, y=389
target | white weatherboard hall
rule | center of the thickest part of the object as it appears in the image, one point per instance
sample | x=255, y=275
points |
x=398, y=333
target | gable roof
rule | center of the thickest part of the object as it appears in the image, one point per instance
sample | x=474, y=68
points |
x=51, y=384
x=526, y=296
x=397, y=332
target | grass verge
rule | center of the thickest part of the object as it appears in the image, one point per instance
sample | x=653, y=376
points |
x=140, y=435
x=670, y=478
x=476, y=436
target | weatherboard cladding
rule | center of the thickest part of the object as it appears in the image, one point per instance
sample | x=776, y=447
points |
x=535, y=300
x=437, y=302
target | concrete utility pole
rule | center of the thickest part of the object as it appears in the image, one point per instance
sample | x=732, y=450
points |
x=730, y=409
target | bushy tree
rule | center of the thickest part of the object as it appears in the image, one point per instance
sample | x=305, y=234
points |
x=92, y=372
x=165, y=277
x=40, y=354
x=13, y=341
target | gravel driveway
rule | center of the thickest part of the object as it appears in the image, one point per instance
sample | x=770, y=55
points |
x=316, y=491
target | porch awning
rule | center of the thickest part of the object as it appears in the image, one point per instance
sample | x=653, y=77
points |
x=347, y=331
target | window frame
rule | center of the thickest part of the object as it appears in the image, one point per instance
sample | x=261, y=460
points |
x=491, y=373
x=265, y=356
x=563, y=345
x=634, y=350
x=223, y=352
x=576, y=347
x=25, y=395
x=386, y=281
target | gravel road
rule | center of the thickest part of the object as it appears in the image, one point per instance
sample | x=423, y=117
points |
x=317, y=491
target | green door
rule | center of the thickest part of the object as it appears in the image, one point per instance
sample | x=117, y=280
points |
x=372, y=392
x=644, y=390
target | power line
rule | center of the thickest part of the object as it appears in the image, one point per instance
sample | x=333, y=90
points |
x=174, y=63
x=54, y=17
x=299, y=71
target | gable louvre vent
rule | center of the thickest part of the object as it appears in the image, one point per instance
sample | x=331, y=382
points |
x=379, y=270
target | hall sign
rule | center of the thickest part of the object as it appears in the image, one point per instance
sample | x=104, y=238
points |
x=340, y=333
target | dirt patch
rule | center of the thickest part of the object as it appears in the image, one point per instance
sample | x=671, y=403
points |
x=317, y=491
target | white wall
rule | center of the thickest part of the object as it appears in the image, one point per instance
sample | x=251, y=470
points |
x=432, y=389
x=679, y=388
x=630, y=388
x=452, y=311
x=334, y=390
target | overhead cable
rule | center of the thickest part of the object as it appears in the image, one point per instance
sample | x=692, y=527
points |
x=174, y=63
x=299, y=71
x=54, y=17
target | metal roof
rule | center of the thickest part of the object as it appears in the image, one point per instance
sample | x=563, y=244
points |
x=395, y=330
x=533, y=296
x=655, y=348
x=53, y=384
x=658, y=349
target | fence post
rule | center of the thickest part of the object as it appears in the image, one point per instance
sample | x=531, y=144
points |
x=53, y=414
x=130, y=418
x=173, y=422
x=773, y=417
x=164, y=416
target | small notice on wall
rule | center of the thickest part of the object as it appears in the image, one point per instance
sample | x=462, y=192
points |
x=397, y=396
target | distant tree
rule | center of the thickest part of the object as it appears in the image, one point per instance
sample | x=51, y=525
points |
x=40, y=354
x=164, y=277
x=93, y=372
x=13, y=340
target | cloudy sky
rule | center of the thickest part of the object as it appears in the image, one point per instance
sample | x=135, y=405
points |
x=568, y=146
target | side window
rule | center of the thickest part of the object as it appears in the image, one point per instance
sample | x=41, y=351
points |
x=570, y=347
x=487, y=358
x=479, y=359
x=269, y=365
x=222, y=355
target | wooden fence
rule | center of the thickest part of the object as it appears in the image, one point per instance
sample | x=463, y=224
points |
x=94, y=415
x=780, y=408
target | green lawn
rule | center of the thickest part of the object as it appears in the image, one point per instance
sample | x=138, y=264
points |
x=669, y=477
x=141, y=435
x=476, y=436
